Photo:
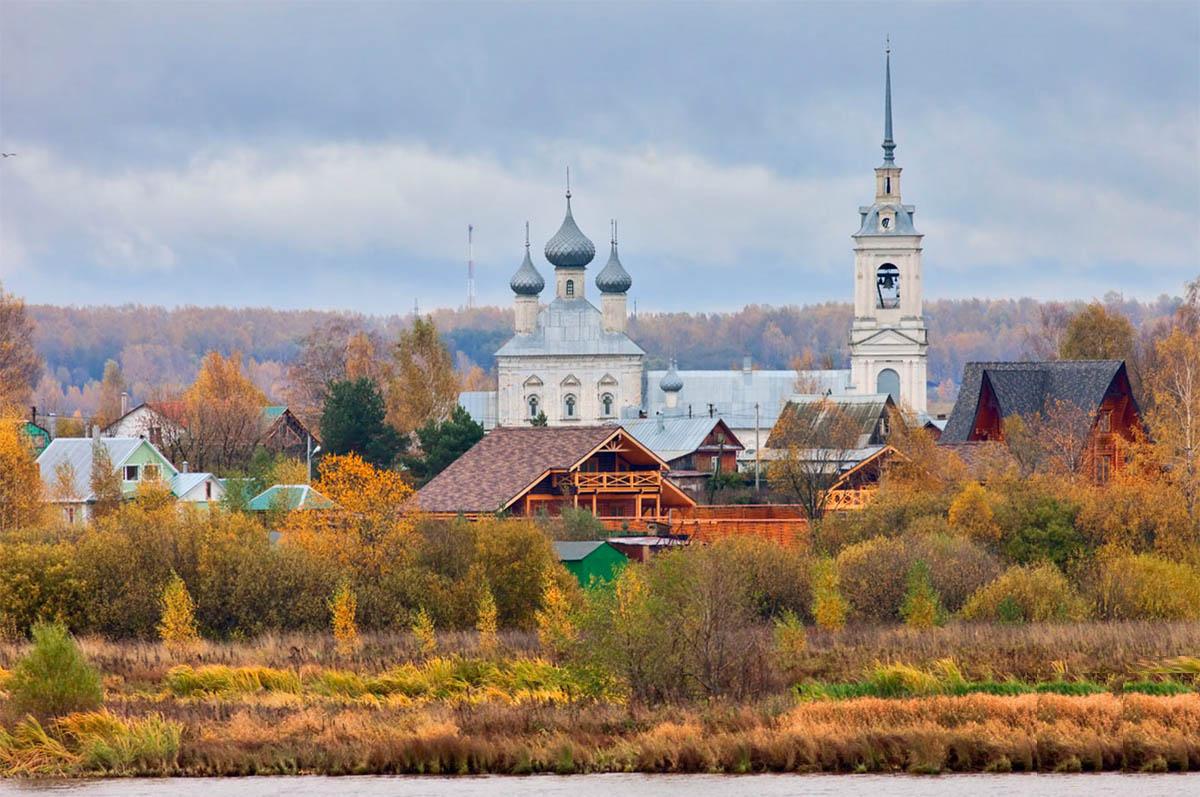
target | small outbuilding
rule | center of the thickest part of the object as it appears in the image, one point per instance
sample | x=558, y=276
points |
x=593, y=561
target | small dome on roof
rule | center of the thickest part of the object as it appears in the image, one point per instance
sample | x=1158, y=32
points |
x=671, y=381
x=613, y=278
x=570, y=248
x=527, y=281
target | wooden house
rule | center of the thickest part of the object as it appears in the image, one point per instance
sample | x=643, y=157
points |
x=695, y=448
x=525, y=471
x=994, y=391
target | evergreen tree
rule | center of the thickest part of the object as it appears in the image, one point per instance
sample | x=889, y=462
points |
x=442, y=443
x=353, y=422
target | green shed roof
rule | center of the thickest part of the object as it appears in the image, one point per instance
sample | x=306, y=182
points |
x=289, y=497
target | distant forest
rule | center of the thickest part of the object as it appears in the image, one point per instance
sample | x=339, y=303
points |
x=158, y=348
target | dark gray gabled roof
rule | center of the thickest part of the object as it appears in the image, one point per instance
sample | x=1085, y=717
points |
x=1022, y=388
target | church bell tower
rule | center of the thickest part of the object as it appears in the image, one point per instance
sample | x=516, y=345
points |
x=888, y=339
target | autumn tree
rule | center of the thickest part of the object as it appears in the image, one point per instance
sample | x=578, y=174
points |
x=1174, y=419
x=425, y=632
x=369, y=527
x=320, y=362
x=343, y=612
x=20, y=364
x=424, y=386
x=485, y=620
x=815, y=440
x=105, y=482
x=1055, y=441
x=111, y=388
x=223, y=414
x=177, y=625
x=20, y=481
x=352, y=421
x=1097, y=333
x=1044, y=341
x=442, y=443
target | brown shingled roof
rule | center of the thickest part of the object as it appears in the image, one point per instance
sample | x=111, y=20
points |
x=506, y=461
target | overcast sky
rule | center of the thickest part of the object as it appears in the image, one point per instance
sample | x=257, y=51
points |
x=331, y=155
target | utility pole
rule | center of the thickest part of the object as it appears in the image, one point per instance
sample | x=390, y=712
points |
x=309, y=455
x=470, y=266
x=757, y=450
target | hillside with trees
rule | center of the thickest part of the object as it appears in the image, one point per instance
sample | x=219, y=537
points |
x=160, y=350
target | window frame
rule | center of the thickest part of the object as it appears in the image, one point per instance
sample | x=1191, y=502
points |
x=570, y=407
x=137, y=473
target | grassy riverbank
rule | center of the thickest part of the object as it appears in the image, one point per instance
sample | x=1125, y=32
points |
x=1112, y=697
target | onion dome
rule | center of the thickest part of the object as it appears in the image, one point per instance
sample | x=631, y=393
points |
x=570, y=248
x=527, y=281
x=671, y=381
x=613, y=278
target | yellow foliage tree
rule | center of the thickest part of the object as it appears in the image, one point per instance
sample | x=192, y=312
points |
x=555, y=628
x=971, y=514
x=1175, y=417
x=20, y=363
x=425, y=632
x=222, y=414
x=424, y=386
x=790, y=641
x=829, y=607
x=343, y=608
x=177, y=627
x=369, y=527
x=20, y=481
x=485, y=620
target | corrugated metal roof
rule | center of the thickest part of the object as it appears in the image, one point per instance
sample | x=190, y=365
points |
x=576, y=551
x=289, y=497
x=77, y=451
x=183, y=483
x=673, y=437
x=569, y=327
x=734, y=393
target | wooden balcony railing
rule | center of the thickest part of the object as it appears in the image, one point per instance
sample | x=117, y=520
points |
x=848, y=500
x=625, y=481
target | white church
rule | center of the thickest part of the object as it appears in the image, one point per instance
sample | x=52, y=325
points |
x=571, y=363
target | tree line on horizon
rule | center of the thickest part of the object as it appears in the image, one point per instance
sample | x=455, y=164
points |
x=156, y=348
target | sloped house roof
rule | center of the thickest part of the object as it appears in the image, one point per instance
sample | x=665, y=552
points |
x=511, y=460
x=1024, y=388
x=674, y=437
x=289, y=497
x=77, y=452
x=869, y=414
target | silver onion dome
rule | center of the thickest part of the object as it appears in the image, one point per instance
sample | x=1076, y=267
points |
x=613, y=278
x=570, y=248
x=527, y=281
x=671, y=381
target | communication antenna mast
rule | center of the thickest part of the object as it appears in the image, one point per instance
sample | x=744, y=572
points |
x=470, y=266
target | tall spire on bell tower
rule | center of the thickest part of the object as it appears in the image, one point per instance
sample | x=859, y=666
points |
x=889, y=146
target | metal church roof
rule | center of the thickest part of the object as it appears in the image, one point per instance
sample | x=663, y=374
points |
x=733, y=394
x=569, y=327
x=570, y=248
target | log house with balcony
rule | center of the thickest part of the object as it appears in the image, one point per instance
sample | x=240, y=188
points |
x=525, y=471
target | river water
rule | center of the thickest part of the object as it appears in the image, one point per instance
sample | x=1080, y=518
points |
x=1101, y=785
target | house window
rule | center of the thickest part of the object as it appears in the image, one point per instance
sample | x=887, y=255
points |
x=1103, y=468
x=714, y=463
x=131, y=473
x=533, y=406
x=151, y=473
x=1104, y=423
x=606, y=402
x=208, y=491
x=569, y=406
x=570, y=287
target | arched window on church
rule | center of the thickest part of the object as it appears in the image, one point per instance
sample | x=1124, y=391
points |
x=606, y=405
x=569, y=406
x=888, y=382
x=533, y=406
x=570, y=287
x=887, y=287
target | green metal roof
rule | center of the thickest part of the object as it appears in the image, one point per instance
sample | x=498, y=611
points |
x=289, y=497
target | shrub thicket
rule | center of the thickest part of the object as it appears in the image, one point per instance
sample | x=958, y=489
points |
x=1032, y=593
x=1145, y=586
